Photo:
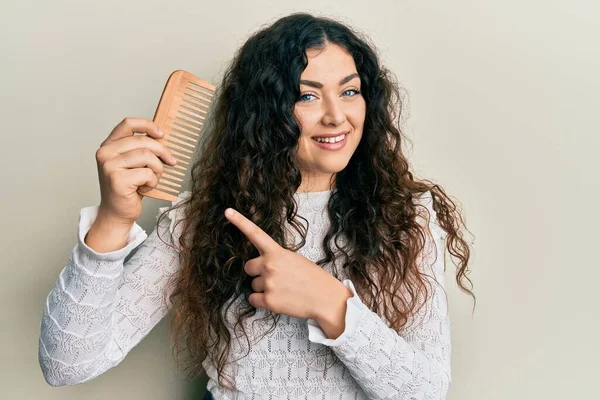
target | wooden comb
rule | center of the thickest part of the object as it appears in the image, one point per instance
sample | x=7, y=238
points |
x=181, y=114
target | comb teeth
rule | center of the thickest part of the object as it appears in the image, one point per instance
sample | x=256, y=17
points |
x=181, y=114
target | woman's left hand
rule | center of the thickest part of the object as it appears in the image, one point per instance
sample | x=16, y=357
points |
x=285, y=282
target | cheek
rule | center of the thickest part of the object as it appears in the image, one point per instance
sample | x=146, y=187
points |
x=357, y=114
x=304, y=145
x=303, y=119
x=361, y=113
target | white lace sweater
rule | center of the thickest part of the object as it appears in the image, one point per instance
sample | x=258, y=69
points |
x=101, y=307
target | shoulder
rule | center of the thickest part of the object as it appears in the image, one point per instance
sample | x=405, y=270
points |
x=424, y=204
x=426, y=215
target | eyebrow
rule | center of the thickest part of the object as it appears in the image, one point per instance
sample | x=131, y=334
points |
x=319, y=85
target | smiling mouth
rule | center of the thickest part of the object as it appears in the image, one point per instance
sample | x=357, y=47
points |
x=332, y=146
x=331, y=139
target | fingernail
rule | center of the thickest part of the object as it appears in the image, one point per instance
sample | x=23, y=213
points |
x=173, y=160
x=161, y=133
x=229, y=212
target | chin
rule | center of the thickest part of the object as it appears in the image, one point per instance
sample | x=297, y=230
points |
x=334, y=168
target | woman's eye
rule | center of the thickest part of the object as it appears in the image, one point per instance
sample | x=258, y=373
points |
x=355, y=91
x=303, y=97
x=348, y=93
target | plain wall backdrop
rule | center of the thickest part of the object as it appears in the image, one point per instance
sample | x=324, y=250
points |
x=502, y=109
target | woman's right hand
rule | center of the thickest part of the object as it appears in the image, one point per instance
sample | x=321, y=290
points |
x=129, y=165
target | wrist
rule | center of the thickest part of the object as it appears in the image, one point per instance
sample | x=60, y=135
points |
x=109, y=222
x=333, y=304
x=107, y=234
x=106, y=217
x=332, y=319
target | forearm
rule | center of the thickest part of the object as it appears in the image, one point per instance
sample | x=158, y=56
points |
x=77, y=325
x=77, y=338
x=385, y=364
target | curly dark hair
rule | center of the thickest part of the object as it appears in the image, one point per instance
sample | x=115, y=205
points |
x=247, y=161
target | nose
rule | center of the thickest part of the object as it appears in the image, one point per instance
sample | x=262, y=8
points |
x=333, y=113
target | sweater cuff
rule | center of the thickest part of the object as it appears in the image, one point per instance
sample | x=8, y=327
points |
x=87, y=216
x=355, y=312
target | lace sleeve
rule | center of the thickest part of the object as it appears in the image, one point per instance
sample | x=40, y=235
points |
x=101, y=306
x=412, y=365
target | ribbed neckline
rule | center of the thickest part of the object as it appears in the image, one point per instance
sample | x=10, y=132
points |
x=313, y=199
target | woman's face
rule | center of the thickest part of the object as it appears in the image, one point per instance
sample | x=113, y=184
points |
x=330, y=103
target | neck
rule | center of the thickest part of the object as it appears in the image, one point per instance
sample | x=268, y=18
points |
x=316, y=184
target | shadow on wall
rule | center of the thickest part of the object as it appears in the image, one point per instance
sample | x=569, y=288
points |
x=196, y=388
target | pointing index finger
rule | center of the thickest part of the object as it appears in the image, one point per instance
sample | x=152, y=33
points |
x=257, y=236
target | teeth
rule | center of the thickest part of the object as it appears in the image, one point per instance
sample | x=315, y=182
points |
x=331, y=140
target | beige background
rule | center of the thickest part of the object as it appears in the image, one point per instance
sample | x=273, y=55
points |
x=503, y=112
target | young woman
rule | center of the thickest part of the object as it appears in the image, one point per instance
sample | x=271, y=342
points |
x=327, y=281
